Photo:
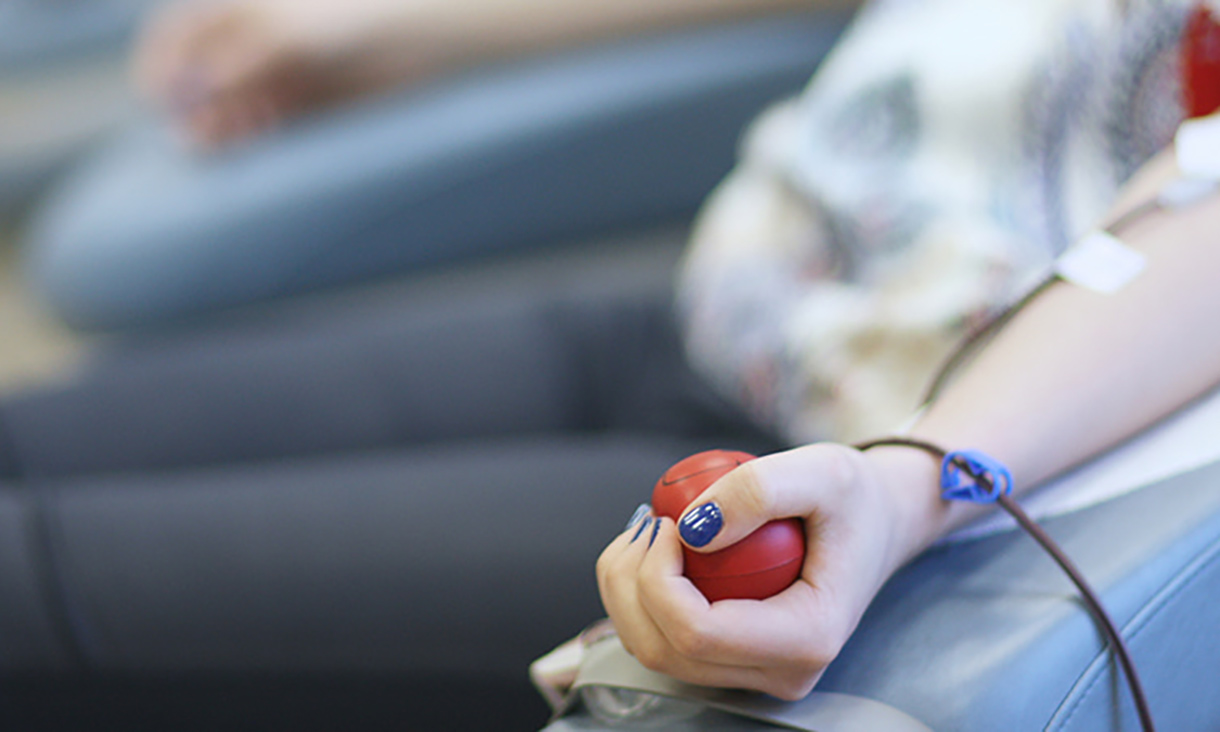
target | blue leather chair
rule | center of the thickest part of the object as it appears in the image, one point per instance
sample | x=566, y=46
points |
x=990, y=635
x=560, y=147
x=37, y=33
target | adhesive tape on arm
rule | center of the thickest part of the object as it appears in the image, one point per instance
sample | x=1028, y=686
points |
x=1100, y=262
x=1197, y=147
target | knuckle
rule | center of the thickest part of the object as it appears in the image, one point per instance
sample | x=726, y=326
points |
x=840, y=466
x=611, y=587
x=646, y=589
x=753, y=493
x=817, y=654
x=651, y=657
x=794, y=688
x=604, y=560
x=609, y=580
x=693, y=642
x=843, y=464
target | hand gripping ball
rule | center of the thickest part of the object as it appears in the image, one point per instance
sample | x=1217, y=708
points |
x=755, y=568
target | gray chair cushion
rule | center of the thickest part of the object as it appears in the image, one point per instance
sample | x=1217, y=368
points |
x=34, y=634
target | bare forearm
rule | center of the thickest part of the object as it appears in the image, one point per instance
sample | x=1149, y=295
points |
x=1077, y=372
x=526, y=24
x=483, y=30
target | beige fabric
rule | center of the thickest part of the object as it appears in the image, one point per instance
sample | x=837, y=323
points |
x=947, y=151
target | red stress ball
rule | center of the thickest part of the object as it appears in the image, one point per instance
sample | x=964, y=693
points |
x=755, y=568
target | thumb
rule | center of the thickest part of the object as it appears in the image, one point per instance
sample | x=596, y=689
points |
x=795, y=483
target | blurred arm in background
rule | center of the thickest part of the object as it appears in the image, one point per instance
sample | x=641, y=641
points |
x=228, y=70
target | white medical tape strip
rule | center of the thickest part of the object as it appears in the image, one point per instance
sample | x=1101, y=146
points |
x=1100, y=262
x=1197, y=147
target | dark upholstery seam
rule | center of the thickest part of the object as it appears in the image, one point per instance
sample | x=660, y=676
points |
x=43, y=557
x=49, y=569
x=10, y=458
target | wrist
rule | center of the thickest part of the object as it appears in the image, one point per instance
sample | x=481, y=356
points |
x=911, y=481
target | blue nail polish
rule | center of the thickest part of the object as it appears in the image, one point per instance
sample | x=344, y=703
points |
x=643, y=525
x=655, y=528
x=639, y=514
x=700, y=525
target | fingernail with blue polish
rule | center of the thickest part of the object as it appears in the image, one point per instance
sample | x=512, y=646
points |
x=699, y=526
x=643, y=525
x=639, y=514
x=655, y=528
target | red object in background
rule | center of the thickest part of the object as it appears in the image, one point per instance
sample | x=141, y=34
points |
x=1201, y=61
x=761, y=565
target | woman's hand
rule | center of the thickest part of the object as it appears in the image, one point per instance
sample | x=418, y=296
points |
x=865, y=515
x=231, y=69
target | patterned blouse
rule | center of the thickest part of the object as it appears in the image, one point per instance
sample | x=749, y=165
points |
x=945, y=152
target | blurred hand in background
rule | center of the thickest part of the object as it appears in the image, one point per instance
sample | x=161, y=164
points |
x=229, y=69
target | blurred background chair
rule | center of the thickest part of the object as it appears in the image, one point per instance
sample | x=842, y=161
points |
x=576, y=167
x=63, y=69
x=623, y=136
